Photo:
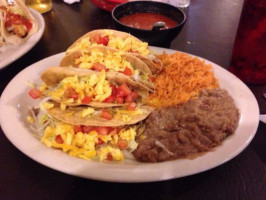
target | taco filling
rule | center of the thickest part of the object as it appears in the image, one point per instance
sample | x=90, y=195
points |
x=87, y=142
x=110, y=60
x=91, y=88
x=114, y=39
x=15, y=21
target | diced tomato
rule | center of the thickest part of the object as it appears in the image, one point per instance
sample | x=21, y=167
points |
x=127, y=71
x=109, y=157
x=123, y=90
x=86, y=100
x=120, y=93
x=77, y=129
x=113, y=89
x=103, y=40
x=106, y=114
x=152, y=78
x=122, y=144
x=98, y=67
x=71, y=93
x=87, y=129
x=100, y=141
x=35, y=93
x=118, y=129
x=131, y=106
x=112, y=131
x=134, y=94
x=134, y=51
x=59, y=139
x=119, y=100
x=102, y=130
x=109, y=99
x=129, y=98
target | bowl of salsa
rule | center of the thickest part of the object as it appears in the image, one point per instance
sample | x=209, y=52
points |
x=154, y=22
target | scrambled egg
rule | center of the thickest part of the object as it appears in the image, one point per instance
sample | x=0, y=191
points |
x=86, y=145
x=126, y=115
x=93, y=86
x=87, y=112
x=128, y=44
x=114, y=61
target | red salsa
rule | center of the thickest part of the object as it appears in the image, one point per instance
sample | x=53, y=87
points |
x=146, y=20
x=16, y=19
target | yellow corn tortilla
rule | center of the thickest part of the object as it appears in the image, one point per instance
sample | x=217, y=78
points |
x=72, y=115
x=151, y=60
x=138, y=64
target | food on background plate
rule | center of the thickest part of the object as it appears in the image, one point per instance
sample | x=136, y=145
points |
x=188, y=129
x=17, y=23
x=121, y=41
x=111, y=60
x=73, y=87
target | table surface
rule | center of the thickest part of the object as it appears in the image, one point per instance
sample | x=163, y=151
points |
x=209, y=33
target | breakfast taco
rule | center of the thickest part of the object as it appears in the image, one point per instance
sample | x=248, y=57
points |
x=111, y=60
x=121, y=41
x=73, y=87
x=17, y=22
x=89, y=116
x=84, y=141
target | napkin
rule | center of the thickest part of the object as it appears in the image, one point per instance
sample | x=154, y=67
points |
x=71, y=1
x=263, y=118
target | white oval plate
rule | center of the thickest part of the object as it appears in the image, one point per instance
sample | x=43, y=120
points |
x=11, y=53
x=15, y=101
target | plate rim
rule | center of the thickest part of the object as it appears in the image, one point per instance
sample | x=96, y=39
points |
x=136, y=169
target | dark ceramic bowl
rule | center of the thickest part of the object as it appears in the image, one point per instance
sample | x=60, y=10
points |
x=153, y=37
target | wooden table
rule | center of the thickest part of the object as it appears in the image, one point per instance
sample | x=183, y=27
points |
x=209, y=32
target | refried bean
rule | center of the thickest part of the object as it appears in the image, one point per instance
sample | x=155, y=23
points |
x=189, y=128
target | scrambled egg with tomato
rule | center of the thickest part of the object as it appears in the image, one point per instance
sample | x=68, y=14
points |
x=113, y=61
x=103, y=143
x=75, y=89
x=128, y=44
